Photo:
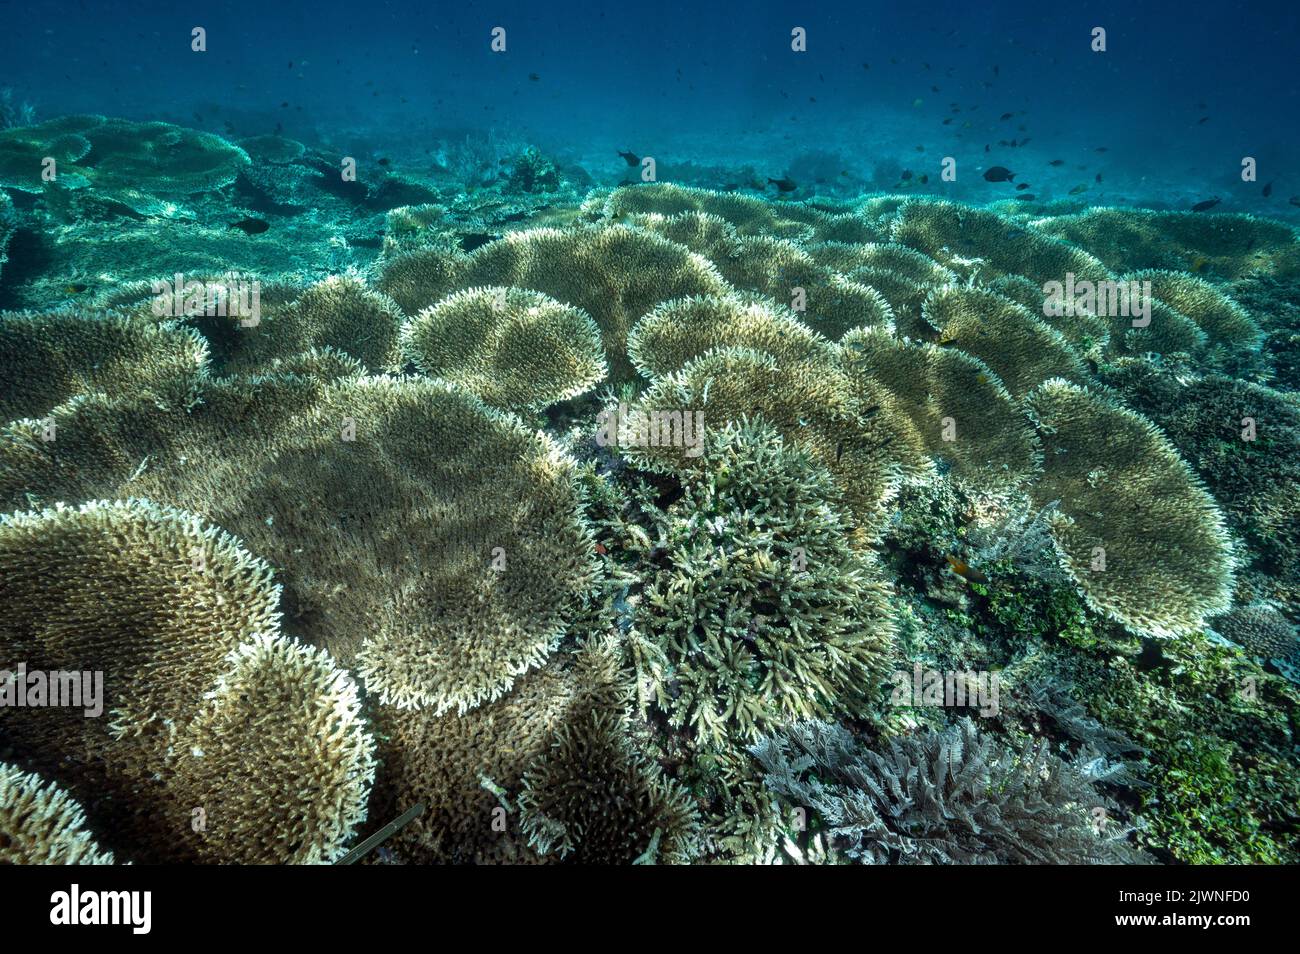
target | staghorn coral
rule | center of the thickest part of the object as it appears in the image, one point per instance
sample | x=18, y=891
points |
x=683, y=329
x=46, y=359
x=515, y=349
x=853, y=428
x=615, y=274
x=1135, y=528
x=959, y=407
x=940, y=797
x=41, y=824
x=758, y=605
x=172, y=612
x=1020, y=349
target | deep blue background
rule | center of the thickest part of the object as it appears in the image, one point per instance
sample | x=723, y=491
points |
x=660, y=75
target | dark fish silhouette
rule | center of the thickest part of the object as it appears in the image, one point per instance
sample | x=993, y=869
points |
x=924, y=179
x=533, y=77
x=1206, y=205
x=1268, y=190
x=1057, y=162
x=1025, y=197
x=907, y=174
x=630, y=158
x=251, y=226
x=1006, y=116
x=785, y=184
x=385, y=162
x=999, y=174
x=1022, y=186
x=1098, y=179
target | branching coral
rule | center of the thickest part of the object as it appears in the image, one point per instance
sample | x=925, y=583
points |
x=949, y=797
x=45, y=359
x=1136, y=529
x=759, y=605
x=853, y=428
x=41, y=824
x=516, y=349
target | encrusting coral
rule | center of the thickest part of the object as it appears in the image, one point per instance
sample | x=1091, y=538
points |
x=515, y=349
x=41, y=824
x=219, y=739
x=1135, y=527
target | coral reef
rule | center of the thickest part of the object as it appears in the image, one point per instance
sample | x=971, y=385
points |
x=950, y=797
x=515, y=349
x=40, y=824
x=593, y=517
x=220, y=739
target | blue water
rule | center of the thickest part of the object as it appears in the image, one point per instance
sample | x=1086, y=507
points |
x=1182, y=93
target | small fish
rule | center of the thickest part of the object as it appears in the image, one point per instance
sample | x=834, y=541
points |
x=385, y=161
x=1203, y=120
x=533, y=77
x=632, y=159
x=1006, y=116
x=918, y=102
x=251, y=226
x=291, y=64
x=1268, y=190
x=600, y=548
x=999, y=174
x=965, y=570
x=1206, y=205
x=1026, y=197
x=948, y=121
x=76, y=288
x=907, y=174
x=785, y=184
x=1098, y=179
x=1199, y=263
x=986, y=147
x=1057, y=162
x=1102, y=149
x=1079, y=190
x=1022, y=186
x=924, y=179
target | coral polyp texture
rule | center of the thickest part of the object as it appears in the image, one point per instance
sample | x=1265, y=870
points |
x=619, y=522
x=217, y=738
